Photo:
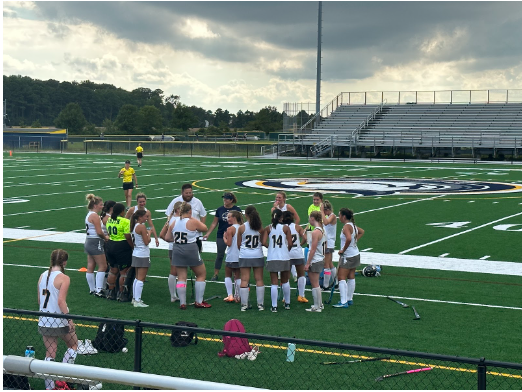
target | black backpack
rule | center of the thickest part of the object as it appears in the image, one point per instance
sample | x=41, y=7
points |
x=181, y=338
x=110, y=338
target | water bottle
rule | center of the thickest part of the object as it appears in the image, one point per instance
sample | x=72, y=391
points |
x=29, y=352
x=290, y=352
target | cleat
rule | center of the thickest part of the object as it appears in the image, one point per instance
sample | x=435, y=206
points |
x=202, y=305
x=183, y=307
x=274, y=309
x=132, y=301
x=100, y=294
x=295, y=278
x=89, y=347
x=252, y=355
x=314, y=309
x=92, y=292
x=350, y=303
x=341, y=305
x=244, y=308
x=174, y=299
x=214, y=278
x=260, y=307
x=230, y=298
x=302, y=299
x=287, y=306
x=140, y=304
x=321, y=307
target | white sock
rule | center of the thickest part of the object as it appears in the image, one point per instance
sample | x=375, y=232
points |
x=228, y=286
x=334, y=275
x=301, y=283
x=134, y=289
x=243, y=291
x=326, y=277
x=351, y=289
x=294, y=271
x=200, y=291
x=318, y=301
x=273, y=294
x=49, y=383
x=314, y=296
x=137, y=289
x=90, y=281
x=260, y=294
x=181, y=288
x=286, y=292
x=237, y=285
x=172, y=285
x=69, y=356
x=343, y=289
x=100, y=277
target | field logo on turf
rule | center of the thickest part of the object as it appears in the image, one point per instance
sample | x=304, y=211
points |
x=382, y=186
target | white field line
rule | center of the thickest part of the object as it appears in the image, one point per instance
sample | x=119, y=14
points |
x=457, y=234
x=293, y=288
x=400, y=204
x=394, y=260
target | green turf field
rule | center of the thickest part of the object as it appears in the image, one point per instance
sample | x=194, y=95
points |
x=463, y=313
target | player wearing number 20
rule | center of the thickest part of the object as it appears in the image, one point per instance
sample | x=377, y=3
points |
x=52, y=295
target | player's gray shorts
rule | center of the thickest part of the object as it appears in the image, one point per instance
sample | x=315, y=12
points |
x=53, y=332
x=94, y=246
x=278, y=265
x=255, y=262
x=185, y=255
x=317, y=267
x=140, y=262
x=350, y=262
x=329, y=250
x=232, y=264
x=300, y=261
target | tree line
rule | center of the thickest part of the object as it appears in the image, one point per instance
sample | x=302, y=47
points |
x=81, y=107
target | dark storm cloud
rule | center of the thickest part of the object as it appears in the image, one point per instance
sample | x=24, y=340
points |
x=354, y=33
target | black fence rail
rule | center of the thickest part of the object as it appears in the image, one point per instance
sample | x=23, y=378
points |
x=273, y=363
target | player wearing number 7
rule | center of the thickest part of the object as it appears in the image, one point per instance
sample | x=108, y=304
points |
x=53, y=286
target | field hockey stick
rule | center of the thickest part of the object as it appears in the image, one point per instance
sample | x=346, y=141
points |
x=280, y=292
x=192, y=294
x=354, y=361
x=331, y=295
x=213, y=297
x=417, y=315
x=399, y=302
x=406, y=372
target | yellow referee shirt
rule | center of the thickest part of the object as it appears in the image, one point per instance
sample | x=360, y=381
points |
x=127, y=174
x=139, y=149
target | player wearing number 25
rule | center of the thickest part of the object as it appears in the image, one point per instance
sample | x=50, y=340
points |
x=53, y=286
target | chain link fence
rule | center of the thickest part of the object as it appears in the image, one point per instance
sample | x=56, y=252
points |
x=272, y=363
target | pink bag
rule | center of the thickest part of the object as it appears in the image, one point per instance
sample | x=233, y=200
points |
x=234, y=345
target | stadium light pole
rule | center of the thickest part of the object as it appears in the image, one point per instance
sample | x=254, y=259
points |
x=318, y=82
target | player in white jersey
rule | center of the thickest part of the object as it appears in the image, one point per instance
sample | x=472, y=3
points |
x=349, y=257
x=173, y=275
x=235, y=219
x=105, y=215
x=330, y=229
x=141, y=200
x=185, y=253
x=280, y=204
x=296, y=253
x=140, y=255
x=53, y=286
x=278, y=240
x=94, y=246
x=250, y=238
x=315, y=262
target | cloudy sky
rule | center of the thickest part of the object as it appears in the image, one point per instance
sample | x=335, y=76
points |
x=247, y=55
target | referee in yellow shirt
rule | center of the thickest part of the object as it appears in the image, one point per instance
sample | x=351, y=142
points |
x=139, y=154
x=129, y=175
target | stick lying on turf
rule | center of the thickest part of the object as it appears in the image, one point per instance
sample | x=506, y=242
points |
x=399, y=302
x=208, y=299
x=417, y=315
x=356, y=360
x=398, y=374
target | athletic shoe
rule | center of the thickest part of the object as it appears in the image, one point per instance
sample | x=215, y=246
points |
x=230, y=298
x=274, y=309
x=100, y=294
x=140, y=304
x=244, y=308
x=287, y=306
x=341, y=305
x=81, y=350
x=301, y=299
x=174, y=299
x=321, y=307
x=252, y=355
x=214, y=278
x=92, y=292
x=260, y=307
x=132, y=301
x=90, y=348
x=202, y=305
x=350, y=303
x=183, y=307
x=314, y=309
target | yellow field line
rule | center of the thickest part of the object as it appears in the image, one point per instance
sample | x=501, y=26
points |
x=310, y=351
x=36, y=236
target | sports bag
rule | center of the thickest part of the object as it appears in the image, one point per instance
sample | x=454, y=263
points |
x=182, y=338
x=234, y=345
x=110, y=338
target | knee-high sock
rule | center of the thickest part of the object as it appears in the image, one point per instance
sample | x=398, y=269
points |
x=200, y=291
x=90, y=281
x=326, y=277
x=343, y=289
x=228, y=286
x=318, y=301
x=49, y=383
x=286, y=292
x=314, y=296
x=181, y=288
x=260, y=294
x=334, y=275
x=237, y=285
x=273, y=294
x=294, y=271
x=351, y=289
x=138, y=289
x=69, y=356
x=100, y=277
x=172, y=285
x=301, y=283
x=134, y=289
x=243, y=291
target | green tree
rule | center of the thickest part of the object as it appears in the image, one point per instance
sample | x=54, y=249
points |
x=183, y=117
x=109, y=126
x=151, y=121
x=127, y=120
x=71, y=118
x=36, y=124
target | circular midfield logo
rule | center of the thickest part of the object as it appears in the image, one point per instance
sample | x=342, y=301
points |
x=382, y=186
